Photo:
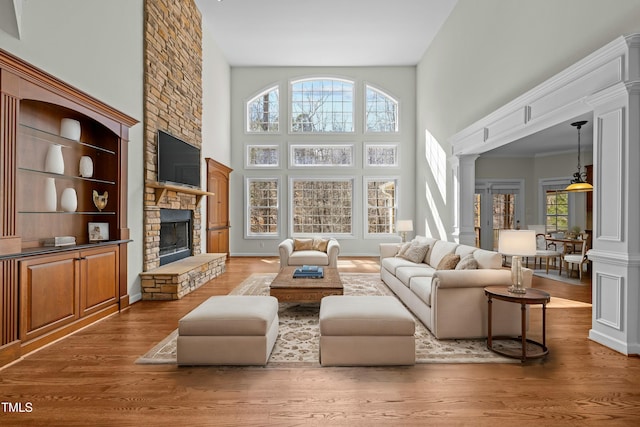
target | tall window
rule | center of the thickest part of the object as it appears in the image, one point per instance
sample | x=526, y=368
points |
x=381, y=111
x=321, y=105
x=263, y=206
x=263, y=112
x=557, y=210
x=321, y=206
x=381, y=205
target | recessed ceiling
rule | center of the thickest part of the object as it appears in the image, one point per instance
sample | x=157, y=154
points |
x=324, y=32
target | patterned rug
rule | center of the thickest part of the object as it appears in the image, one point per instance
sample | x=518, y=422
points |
x=298, y=338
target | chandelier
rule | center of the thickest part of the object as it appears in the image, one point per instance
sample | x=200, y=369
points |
x=579, y=182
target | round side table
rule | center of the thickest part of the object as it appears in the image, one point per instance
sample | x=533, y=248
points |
x=532, y=296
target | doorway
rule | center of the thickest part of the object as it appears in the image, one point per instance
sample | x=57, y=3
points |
x=498, y=205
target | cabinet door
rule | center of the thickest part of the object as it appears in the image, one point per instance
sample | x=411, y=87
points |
x=218, y=208
x=99, y=284
x=218, y=241
x=49, y=288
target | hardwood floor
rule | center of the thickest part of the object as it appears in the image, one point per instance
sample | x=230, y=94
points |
x=90, y=378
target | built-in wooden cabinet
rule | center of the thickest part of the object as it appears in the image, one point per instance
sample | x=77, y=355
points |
x=218, y=207
x=49, y=291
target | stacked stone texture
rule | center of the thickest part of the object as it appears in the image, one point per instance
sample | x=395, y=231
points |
x=173, y=103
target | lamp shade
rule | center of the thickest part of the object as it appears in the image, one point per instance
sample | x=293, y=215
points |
x=405, y=225
x=517, y=242
x=579, y=187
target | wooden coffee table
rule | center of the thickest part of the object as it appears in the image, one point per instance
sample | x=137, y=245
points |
x=287, y=289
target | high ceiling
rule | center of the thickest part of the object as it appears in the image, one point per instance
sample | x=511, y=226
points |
x=338, y=33
x=324, y=32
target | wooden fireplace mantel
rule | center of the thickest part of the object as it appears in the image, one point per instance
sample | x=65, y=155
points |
x=162, y=188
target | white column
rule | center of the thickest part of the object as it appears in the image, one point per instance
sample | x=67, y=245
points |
x=464, y=184
x=616, y=238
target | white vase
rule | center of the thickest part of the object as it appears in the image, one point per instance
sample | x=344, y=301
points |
x=54, y=162
x=69, y=200
x=86, y=167
x=70, y=128
x=50, y=195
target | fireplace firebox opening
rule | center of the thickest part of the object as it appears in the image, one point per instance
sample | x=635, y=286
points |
x=175, y=235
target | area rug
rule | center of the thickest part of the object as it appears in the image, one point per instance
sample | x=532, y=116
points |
x=553, y=275
x=298, y=338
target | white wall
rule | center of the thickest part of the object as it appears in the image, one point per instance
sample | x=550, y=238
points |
x=398, y=82
x=531, y=170
x=491, y=51
x=216, y=112
x=95, y=46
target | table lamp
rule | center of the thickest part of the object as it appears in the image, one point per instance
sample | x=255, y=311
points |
x=517, y=243
x=404, y=225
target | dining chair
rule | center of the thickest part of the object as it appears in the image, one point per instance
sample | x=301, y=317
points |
x=575, y=259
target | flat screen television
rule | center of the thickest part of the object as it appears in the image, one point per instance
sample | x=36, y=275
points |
x=178, y=161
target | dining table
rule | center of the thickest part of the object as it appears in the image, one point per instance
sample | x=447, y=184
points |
x=569, y=245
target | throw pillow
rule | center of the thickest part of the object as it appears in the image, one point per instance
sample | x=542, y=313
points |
x=403, y=249
x=448, y=262
x=302, y=244
x=415, y=253
x=320, y=244
x=468, y=262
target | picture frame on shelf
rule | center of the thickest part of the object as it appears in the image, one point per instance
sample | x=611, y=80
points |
x=98, y=231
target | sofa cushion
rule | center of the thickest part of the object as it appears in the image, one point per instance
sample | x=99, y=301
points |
x=448, y=262
x=405, y=273
x=308, y=258
x=439, y=250
x=430, y=241
x=302, y=244
x=403, y=249
x=392, y=264
x=464, y=250
x=421, y=287
x=488, y=259
x=468, y=262
x=415, y=252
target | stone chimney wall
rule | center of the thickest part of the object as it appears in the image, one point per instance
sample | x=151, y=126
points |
x=173, y=103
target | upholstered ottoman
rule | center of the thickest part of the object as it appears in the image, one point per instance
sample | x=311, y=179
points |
x=366, y=330
x=229, y=330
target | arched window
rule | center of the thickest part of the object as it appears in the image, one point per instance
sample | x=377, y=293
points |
x=321, y=105
x=263, y=112
x=381, y=111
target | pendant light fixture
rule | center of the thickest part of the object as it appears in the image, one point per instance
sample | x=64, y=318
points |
x=579, y=182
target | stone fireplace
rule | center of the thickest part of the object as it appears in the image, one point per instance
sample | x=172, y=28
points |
x=173, y=103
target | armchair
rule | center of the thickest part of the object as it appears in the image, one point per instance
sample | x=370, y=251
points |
x=296, y=252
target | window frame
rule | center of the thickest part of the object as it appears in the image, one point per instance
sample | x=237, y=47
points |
x=294, y=146
x=365, y=160
x=293, y=179
x=556, y=215
x=365, y=198
x=249, y=165
x=248, y=234
x=252, y=99
x=365, y=116
x=353, y=84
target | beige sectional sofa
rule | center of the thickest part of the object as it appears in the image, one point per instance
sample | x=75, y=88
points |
x=451, y=303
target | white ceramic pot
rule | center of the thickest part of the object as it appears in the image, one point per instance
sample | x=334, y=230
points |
x=70, y=128
x=50, y=195
x=86, y=167
x=54, y=162
x=69, y=200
